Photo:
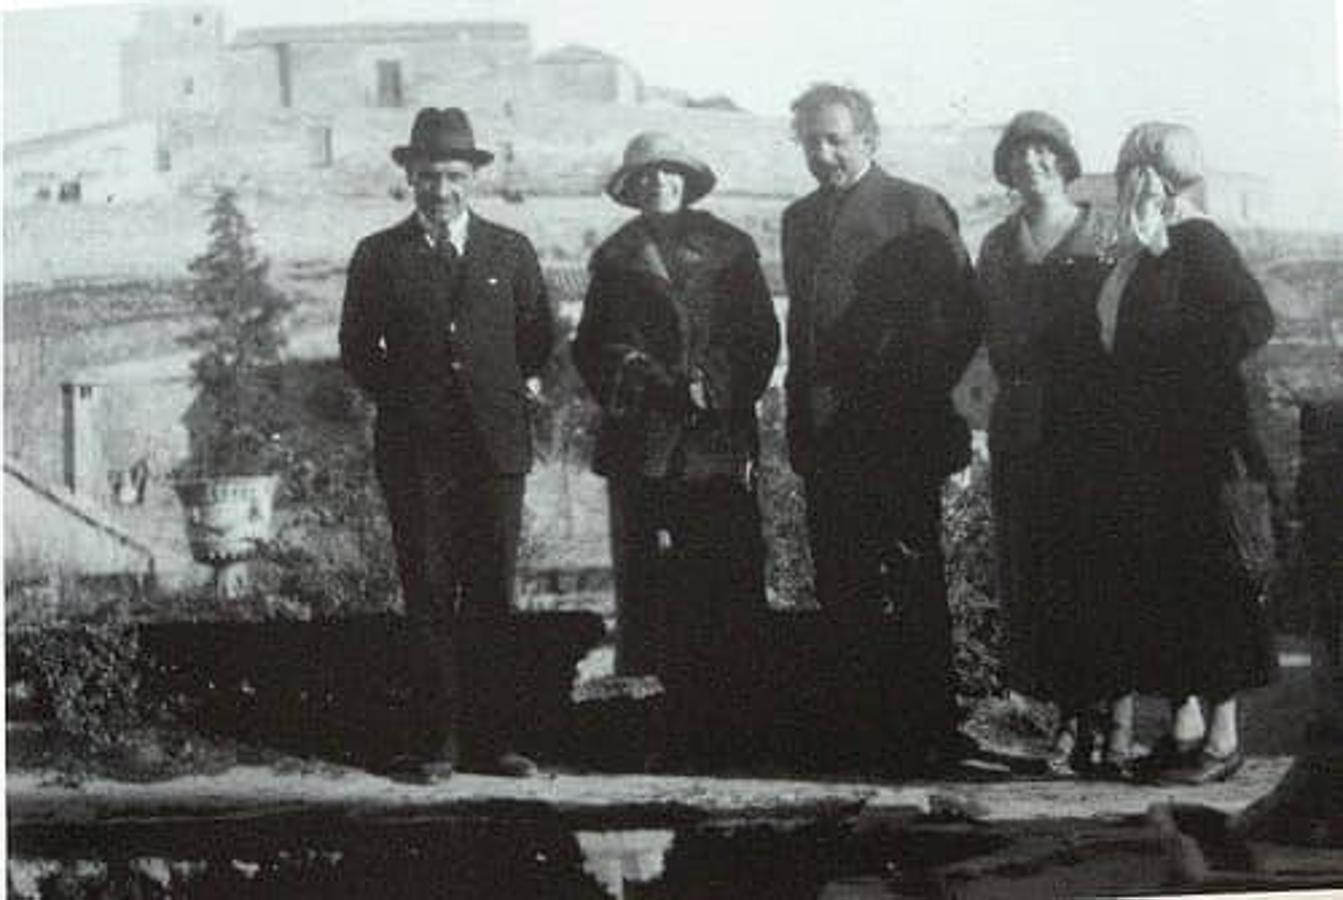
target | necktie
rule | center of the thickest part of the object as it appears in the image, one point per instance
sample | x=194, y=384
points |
x=444, y=247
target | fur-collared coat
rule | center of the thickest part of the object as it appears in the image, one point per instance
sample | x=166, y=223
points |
x=670, y=305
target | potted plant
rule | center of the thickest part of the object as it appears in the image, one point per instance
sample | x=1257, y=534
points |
x=225, y=486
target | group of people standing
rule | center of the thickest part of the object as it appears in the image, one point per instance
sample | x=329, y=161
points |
x=1120, y=418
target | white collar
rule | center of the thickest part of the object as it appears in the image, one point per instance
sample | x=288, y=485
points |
x=457, y=229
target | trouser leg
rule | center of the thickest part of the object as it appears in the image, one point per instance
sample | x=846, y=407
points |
x=487, y=522
x=843, y=532
x=414, y=495
x=915, y=567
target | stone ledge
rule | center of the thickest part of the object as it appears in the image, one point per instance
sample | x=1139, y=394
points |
x=35, y=798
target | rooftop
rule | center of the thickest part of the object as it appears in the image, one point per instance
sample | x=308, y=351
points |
x=383, y=32
x=577, y=53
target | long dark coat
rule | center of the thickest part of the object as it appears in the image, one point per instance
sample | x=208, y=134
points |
x=1053, y=442
x=1186, y=322
x=845, y=377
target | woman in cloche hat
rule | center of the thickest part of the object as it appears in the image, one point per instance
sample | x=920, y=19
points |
x=677, y=342
x=1041, y=270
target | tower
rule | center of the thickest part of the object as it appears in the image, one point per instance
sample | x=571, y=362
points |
x=173, y=63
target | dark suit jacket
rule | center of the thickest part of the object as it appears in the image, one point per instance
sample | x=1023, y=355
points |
x=893, y=359
x=445, y=354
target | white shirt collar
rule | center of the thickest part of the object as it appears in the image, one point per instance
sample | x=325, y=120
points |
x=457, y=229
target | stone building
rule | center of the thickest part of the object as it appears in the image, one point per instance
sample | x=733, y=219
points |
x=105, y=163
x=328, y=68
x=575, y=72
x=180, y=62
x=174, y=62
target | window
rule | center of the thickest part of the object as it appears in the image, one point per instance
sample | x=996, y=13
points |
x=319, y=146
x=389, y=82
x=188, y=86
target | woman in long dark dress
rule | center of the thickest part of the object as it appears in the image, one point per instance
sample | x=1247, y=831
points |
x=677, y=342
x=1051, y=450
x=1179, y=314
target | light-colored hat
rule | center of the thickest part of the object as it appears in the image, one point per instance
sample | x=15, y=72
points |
x=650, y=148
x=1171, y=150
x=1039, y=126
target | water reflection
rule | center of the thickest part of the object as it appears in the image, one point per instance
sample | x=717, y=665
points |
x=487, y=855
x=622, y=861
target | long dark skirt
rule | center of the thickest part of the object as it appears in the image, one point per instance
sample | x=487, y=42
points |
x=1199, y=626
x=1058, y=581
x=698, y=546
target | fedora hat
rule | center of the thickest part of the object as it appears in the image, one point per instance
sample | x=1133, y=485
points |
x=1036, y=126
x=441, y=134
x=656, y=148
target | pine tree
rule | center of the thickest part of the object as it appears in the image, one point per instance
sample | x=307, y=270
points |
x=240, y=344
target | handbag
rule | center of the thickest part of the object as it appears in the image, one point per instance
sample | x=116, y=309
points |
x=1247, y=502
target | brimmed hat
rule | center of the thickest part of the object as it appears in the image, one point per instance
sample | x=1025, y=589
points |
x=1172, y=150
x=650, y=148
x=441, y=134
x=1036, y=126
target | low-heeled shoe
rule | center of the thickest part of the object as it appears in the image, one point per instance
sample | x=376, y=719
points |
x=1207, y=768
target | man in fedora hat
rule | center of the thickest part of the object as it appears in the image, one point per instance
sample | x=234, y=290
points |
x=883, y=318
x=445, y=320
x=677, y=342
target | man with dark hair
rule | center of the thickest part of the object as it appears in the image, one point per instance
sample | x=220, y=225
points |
x=883, y=318
x=445, y=320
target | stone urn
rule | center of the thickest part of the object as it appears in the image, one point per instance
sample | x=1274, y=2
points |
x=228, y=519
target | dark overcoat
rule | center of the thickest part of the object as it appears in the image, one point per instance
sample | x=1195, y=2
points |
x=883, y=318
x=1186, y=322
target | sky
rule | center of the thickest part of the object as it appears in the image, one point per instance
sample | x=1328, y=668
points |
x=1260, y=81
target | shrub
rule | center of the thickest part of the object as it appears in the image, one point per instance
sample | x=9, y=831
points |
x=84, y=688
x=977, y=630
x=239, y=343
x=788, y=566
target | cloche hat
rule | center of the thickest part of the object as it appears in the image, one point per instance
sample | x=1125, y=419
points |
x=441, y=134
x=650, y=148
x=1040, y=126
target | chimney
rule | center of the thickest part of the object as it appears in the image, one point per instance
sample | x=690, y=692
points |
x=81, y=441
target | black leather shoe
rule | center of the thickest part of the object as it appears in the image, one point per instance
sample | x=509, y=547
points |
x=1167, y=755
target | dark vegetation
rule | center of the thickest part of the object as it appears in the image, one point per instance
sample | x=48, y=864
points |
x=239, y=343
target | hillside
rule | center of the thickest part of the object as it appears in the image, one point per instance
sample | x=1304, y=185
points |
x=562, y=148
x=145, y=223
